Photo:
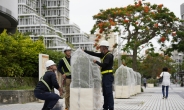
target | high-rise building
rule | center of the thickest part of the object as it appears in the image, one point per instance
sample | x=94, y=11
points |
x=53, y=24
x=30, y=22
x=8, y=15
x=56, y=13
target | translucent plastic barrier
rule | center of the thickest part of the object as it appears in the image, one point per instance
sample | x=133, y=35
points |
x=135, y=87
x=138, y=78
x=122, y=82
x=85, y=88
x=133, y=81
x=138, y=82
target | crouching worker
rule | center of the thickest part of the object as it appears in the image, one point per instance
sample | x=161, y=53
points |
x=44, y=86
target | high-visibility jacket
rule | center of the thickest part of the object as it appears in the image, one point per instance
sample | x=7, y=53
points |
x=106, y=61
x=68, y=67
x=64, y=66
x=106, y=71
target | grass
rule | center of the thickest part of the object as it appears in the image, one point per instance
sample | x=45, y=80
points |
x=19, y=88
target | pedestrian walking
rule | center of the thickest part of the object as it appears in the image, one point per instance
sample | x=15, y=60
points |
x=65, y=69
x=144, y=82
x=165, y=82
x=44, y=87
x=106, y=65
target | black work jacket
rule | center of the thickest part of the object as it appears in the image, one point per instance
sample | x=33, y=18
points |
x=50, y=79
x=62, y=65
x=107, y=63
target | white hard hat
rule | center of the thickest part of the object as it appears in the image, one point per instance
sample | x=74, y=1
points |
x=49, y=63
x=104, y=43
x=67, y=48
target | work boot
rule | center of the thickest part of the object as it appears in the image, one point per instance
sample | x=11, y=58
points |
x=66, y=108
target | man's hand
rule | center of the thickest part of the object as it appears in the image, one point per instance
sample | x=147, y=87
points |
x=94, y=61
x=60, y=91
x=64, y=76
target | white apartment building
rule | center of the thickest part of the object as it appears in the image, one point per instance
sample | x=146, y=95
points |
x=30, y=22
x=56, y=13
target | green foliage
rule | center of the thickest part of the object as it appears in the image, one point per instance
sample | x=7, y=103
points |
x=177, y=42
x=152, y=81
x=141, y=22
x=18, y=83
x=142, y=90
x=115, y=65
x=19, y=55
x=152, y=65
x=70, y=44
x=54, y=55
x=127, y=59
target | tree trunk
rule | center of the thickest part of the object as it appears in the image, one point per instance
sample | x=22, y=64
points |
x=134, y=64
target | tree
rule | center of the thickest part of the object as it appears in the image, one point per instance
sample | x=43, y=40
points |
x=152, y=65
x=140, y=23
x=177, y=42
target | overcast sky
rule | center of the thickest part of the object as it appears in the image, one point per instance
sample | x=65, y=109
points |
x=81, y=11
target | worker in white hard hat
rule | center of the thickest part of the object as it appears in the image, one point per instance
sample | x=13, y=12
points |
x=65, y=69
x=45, y=86
x=106, y=65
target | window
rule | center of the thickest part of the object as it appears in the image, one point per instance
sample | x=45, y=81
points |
x=55, y=22
x=59, y=21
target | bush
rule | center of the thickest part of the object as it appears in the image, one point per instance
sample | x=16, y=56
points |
x=142, y=90
x=54, y=55
x=152, y=81
x=19, y=55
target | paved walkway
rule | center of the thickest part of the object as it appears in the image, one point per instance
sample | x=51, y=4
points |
x=151, y=99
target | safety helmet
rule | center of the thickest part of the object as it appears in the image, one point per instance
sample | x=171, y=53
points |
x=67, y=48
x=49, y=63
x=104, y=43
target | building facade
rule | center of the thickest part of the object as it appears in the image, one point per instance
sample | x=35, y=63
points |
x=8, y=15
x=50, y=19
x=56, y=13
x=32, y=23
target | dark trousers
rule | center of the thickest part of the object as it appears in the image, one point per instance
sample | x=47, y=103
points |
x=107, y=81
x=163, y=91
x=145, y=85
x=50, y=99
